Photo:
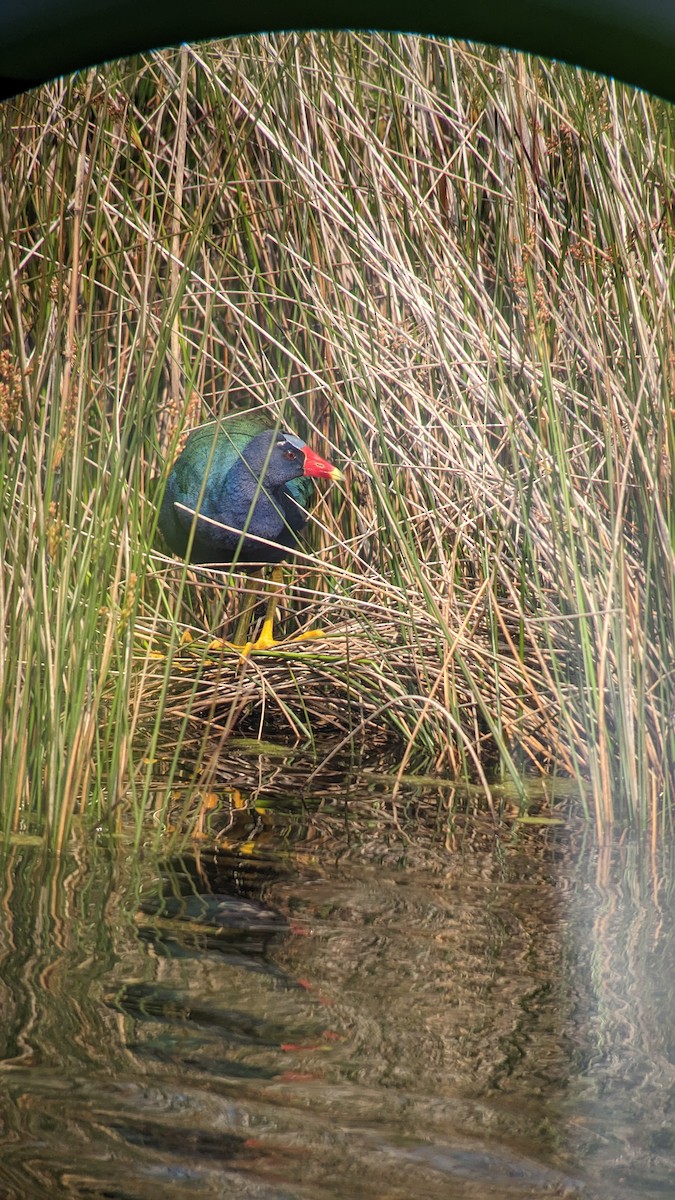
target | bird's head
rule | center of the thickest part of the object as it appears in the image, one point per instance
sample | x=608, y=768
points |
x=282, y=457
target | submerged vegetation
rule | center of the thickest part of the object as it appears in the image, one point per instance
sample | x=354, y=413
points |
x=452, y=271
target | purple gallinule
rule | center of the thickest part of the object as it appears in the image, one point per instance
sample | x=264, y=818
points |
x=236, y=495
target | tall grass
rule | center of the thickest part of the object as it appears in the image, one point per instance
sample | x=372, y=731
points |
x=451, y=270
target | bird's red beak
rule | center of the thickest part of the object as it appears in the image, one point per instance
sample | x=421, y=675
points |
x=318, y=467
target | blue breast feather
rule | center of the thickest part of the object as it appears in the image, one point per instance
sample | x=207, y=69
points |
x=211, y=451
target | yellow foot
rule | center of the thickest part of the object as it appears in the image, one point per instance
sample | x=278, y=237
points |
x=308, y=633
x=265, y=642
x=241, y=648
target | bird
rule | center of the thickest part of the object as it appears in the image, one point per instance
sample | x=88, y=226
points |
x=236, y=496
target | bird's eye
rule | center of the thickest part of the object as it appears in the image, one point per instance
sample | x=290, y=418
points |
x=290, y=455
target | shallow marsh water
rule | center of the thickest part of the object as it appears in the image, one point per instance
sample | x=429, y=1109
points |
x=338, y=997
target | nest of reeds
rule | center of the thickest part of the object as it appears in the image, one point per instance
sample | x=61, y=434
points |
x=456, y=694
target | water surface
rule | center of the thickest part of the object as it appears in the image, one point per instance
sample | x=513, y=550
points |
x=335, y=996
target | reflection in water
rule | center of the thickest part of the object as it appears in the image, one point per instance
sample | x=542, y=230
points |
x=331, y=1009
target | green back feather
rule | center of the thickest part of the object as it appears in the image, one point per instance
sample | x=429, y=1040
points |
x=231, y=436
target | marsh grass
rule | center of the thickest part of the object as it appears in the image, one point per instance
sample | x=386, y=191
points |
x=452, y=271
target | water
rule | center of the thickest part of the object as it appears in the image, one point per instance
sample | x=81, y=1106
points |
x=343, y=998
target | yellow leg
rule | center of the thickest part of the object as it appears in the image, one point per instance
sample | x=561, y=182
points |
x=266, y=639
x=246, y=612
x=240, y=641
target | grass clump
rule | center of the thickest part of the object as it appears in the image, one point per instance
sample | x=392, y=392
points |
x=449, y=269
